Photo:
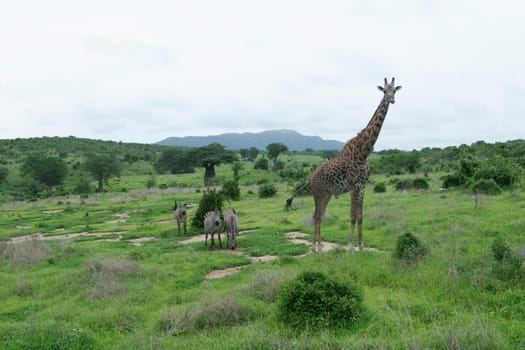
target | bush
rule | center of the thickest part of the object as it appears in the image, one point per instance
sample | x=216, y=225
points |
x=107, y=276
x=209, y=201
x=409, y=249
x=403, y=185
x=380, y=188
x=267, y=191
x=315, y=299
x=486, y=186
x=261, y=163
x=420, y=183
x=82, y=187
x=223, y=311
x=509, y=263
x=265, y=285
x=24, y=253
x=453, y=180
x=231, y=190
x=500, y=249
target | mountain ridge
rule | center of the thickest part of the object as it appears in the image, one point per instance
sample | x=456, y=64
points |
x=235, y=141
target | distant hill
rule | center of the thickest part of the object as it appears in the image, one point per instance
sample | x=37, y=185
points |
x=235, y=141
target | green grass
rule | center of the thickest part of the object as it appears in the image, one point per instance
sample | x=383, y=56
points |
x=82, y=293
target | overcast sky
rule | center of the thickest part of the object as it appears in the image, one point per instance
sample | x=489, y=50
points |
x=141, y=71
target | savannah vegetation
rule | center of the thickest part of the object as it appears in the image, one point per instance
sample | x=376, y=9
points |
x=447, y=224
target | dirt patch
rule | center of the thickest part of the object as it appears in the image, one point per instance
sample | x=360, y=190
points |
x=194, y=239
x=121, y=218
x=53, y=211
x=222, y=273
x=140, y=241
x=42, y=237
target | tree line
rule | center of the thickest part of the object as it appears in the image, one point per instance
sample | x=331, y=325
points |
x=29, y=167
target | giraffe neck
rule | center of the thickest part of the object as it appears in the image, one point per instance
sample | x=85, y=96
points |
x=365, y=140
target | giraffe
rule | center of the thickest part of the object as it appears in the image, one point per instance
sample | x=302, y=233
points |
x=348, y=172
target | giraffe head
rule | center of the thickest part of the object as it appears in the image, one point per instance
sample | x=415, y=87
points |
x=389, y=90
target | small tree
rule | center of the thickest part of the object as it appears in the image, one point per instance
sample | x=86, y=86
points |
x=209, y=201
x=211, y=156
x=236, y=167
x=274, y=149
x=103, y=167
x=50, y=171
x=175, y=160
x=261, y=163
x=231, y=190
x=267, y=190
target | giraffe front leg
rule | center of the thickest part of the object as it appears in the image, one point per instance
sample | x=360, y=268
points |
x=352, y=226
x=356, y=216
x=315, y=242
x=360, y=229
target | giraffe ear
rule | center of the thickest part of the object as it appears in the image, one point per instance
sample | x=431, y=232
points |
x=380, y=88
x=398, y=88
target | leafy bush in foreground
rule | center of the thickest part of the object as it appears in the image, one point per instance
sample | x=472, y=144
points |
x=315, y=299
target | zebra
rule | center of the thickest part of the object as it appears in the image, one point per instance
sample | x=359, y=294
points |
x=181, y=216
x=231, y=223
x=212, y=225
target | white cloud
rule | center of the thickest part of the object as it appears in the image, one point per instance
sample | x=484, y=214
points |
x=142, y=71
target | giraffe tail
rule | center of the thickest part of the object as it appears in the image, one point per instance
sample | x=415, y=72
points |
x=298, y=191
x=289, y=201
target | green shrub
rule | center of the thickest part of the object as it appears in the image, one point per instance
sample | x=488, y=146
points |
x=231, y=190
x=82, y=187
x=209, y=201
x=500, y=249
x=453, y=180
x=486, y=186
x=267, y=190
x=316, y=299
x=403, y=185
x=380, y=187
x=508, y=267
x=261, y=163
x=408, y=248
x=420, y=183
x=223, y=311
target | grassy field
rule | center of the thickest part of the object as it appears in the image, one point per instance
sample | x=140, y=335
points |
x=98, y=289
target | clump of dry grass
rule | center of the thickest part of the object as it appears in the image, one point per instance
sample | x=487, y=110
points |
x=265, y=285
x=108, y=276
x=223, y=311
x=24, y=253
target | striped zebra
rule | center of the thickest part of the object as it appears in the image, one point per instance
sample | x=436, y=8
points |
x=212, y=225
x=231, y=223
x=181, y=216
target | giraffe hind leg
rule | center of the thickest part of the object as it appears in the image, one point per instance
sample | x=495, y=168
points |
x=321, y=201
